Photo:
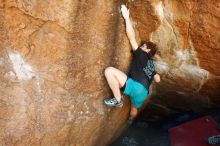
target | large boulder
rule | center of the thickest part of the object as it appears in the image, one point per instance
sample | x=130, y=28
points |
x=53, y=55
x=187, y=33
x=52, y=58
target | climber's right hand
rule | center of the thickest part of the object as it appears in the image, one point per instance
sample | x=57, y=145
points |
x=124, y=11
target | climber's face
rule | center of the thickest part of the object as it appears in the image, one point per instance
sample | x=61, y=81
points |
x=144, y=48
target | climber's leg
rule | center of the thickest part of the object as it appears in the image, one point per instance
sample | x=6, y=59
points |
x=147, y=100
x=133, y=114
x=116, y=79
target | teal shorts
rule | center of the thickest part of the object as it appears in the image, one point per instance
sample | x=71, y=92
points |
x=136, y=91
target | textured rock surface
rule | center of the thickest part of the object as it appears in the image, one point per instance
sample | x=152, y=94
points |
x=53, y=54
x=189, y=37
x=187, y=33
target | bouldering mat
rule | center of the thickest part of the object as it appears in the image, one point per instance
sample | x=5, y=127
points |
x=193, y=133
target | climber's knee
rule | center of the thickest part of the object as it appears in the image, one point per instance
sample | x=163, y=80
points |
x=109, y=71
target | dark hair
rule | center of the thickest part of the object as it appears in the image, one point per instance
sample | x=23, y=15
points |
x=152, y=46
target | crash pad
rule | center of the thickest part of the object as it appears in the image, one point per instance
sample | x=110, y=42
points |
x=193, y=133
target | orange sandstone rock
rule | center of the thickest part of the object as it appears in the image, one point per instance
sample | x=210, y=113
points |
x=53, y=54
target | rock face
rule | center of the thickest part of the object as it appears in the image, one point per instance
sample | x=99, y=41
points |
x=187, y=33
x=53, y=54
x=190, y=53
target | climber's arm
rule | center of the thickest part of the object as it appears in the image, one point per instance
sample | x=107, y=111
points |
x=129, y=28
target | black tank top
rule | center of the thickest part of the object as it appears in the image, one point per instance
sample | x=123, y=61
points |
x=142, y=68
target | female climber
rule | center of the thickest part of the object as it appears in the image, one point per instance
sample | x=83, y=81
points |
x=142, y=72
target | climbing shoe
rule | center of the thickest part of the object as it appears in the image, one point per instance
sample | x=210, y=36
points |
x=214, y=140
x=113, y=102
